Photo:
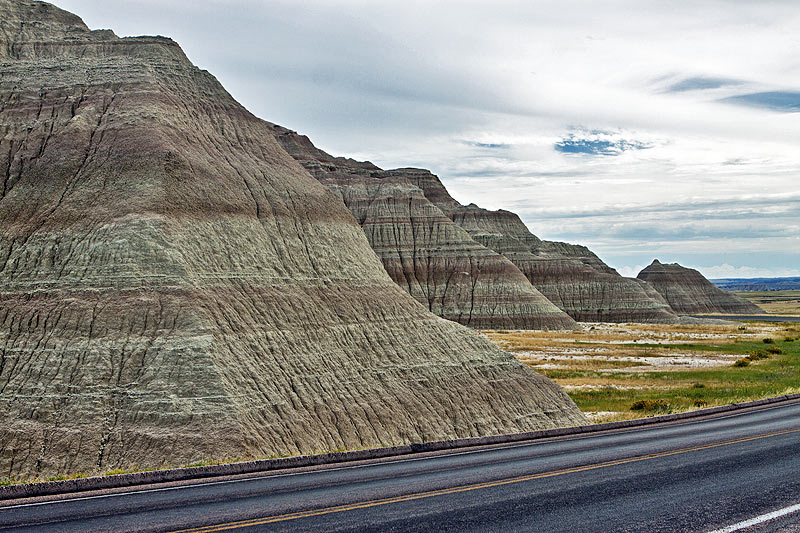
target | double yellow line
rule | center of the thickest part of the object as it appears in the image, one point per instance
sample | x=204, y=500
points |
x=475, y=486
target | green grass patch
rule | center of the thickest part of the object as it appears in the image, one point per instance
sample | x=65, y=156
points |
x=684, y=390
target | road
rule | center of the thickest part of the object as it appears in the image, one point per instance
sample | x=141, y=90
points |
x=698, y=475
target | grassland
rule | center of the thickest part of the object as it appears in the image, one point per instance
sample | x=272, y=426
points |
x=774, y=302
x=623, y=371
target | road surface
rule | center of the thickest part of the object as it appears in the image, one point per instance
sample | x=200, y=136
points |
x=736, y=471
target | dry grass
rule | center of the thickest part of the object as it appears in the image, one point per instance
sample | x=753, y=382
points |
x=606, y=368
x=521, y=340
x=775, y=302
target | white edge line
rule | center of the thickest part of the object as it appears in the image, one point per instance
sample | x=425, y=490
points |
x=758, y=519
x=353, y=467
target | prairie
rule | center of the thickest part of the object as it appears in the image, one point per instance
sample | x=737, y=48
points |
x=774, y=302
x=623, y=371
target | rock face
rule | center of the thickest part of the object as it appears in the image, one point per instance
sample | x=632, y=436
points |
x=570, y=276
x=174, y=286
x=425, y=253
x=689, y=292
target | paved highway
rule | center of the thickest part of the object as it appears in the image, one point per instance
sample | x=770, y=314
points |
x=736, y=472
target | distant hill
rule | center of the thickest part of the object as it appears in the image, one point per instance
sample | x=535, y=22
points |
x=687, y=291
x=757, y=284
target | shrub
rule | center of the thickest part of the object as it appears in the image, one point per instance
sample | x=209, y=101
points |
x=758, y=354
x=700, y=403
x=741, y=362
x=768, y=340
x=788, y=339
x=699, y=385
x=774, y=350
x=650, y=405
x=742, y=328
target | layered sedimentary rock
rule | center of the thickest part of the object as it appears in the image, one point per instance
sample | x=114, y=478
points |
x=425, y=253
x=571, y=276
x=687, y=291
x=393, y=205
x=174, y=286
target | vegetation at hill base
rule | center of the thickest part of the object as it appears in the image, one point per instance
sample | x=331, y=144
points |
x=620, y=372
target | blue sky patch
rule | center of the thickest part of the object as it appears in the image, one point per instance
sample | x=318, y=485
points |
x=785, y=101
x=592, y=145
x=700, y=83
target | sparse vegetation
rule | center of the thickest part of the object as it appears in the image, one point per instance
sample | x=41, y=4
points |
x=651, y=406
x=758, y=354
x=775, y=302
x=607, y=369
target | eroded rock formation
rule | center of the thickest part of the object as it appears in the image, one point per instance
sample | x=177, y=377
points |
x=571, y=276
x=687, y=291
x=424, y=252
x=174, y=286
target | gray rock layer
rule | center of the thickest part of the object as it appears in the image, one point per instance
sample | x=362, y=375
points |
x=571, y=276
x=424, y=252
x=689, y=292
x=175, y=287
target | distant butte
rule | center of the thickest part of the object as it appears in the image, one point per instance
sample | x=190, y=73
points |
x=688, y=292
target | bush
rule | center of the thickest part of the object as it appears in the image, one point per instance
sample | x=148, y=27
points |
x=650, y=405
x=700, y=403
x=741, y=362
x=758, y=354
x=788, y=339
x=774, y=350
x=768, y=340
x=699, y=385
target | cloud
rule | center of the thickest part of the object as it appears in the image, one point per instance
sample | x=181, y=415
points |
x=488, y=96
x=728, y=271
x=630, y=271
x=698, y=83
x=742, y=207
x=724, y=271
x=487, y=145
x=785, y=101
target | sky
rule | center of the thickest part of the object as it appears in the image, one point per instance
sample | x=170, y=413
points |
x=642, y=129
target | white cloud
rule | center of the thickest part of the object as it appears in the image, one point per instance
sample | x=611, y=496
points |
x=728, y=271
x=407, y=83
x=631, y=271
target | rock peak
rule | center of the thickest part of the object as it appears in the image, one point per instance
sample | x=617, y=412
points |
x=688, y=292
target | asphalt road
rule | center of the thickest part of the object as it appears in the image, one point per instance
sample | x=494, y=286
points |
x=700, y=475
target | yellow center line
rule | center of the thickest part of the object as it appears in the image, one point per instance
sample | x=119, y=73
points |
x=475, y=486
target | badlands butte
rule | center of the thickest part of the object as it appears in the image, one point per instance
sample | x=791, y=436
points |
x=181, y=281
